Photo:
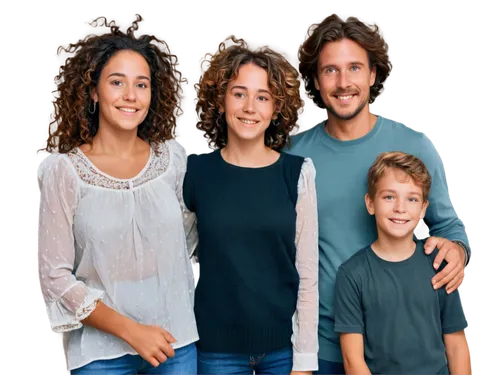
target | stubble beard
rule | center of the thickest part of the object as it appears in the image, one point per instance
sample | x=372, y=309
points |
x=348, y=116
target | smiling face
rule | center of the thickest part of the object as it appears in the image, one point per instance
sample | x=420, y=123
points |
x=248, y=104
x=398, y=204
x=344, y=78
x=123, y=91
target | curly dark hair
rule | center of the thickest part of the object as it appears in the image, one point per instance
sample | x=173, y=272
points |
x=223, y=67
x=80, y=75
x=332, y=29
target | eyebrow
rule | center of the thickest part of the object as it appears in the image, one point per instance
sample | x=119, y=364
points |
x=335, y=65
x=245, y=88
x=394, y=192
x=123, y=75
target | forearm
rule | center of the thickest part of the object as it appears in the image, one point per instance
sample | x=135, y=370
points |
x=356, y=366
x=108, y=320
x=459, y=360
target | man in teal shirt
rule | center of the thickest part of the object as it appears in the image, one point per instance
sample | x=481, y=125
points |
x=344, y=66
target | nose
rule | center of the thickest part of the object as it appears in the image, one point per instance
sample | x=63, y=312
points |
x=129, y=93
x=248, y=105
x=342, y=81
x=399, y=206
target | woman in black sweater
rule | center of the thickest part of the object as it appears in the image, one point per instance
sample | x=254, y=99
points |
x=256, y=302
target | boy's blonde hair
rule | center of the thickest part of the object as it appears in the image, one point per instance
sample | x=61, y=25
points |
x=409, y=164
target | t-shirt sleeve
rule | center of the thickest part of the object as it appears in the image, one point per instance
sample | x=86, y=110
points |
x=347, y=304
x=452, y=314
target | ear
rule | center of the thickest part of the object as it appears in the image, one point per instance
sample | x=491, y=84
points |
x=316, y=82
x=373, y=75
x=369, y=205
x=424, y=208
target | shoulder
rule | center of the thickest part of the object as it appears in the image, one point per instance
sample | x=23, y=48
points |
x=173, y=146
x=403, y=132
x=302, y=140
x=54, y=164
x=357, y=263
x=200, y=163
x=410, y=141
x=292, y=159
x=431, y=257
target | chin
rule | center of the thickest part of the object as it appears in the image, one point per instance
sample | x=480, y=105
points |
x=250, y=136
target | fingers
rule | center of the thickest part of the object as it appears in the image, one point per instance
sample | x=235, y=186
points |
x=455, y=283
x=153, y=361
x=440, y=257
x=168, y=336
x=446, y=275
x=167, y=350
x=160, y=356
x=431, y=244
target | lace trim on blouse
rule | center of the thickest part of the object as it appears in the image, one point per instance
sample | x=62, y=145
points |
x=157, y=164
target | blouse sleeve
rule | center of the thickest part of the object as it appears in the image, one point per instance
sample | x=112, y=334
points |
x=305, y=319
x=67, y=299
x=189, y=218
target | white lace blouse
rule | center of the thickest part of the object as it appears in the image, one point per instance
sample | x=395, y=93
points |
x=121, y=241
x=305, y=319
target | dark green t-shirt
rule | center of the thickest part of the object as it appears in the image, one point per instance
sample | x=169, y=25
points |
x=402, y=318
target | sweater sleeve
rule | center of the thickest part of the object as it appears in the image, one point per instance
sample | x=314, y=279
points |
x=440, y=217
x=305, y=319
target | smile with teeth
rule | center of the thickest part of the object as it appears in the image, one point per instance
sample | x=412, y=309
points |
x=248, y=122
x=128, y=110
x=344, y=97
x=399, y=221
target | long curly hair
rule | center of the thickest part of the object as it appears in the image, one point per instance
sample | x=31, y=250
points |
x=80, y=75
x=223, y=67
x=332, y=29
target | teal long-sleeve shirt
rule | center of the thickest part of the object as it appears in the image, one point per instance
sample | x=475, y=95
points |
x=344, y=223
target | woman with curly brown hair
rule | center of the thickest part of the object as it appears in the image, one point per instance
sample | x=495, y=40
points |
x=113, y=256
x=256, y=302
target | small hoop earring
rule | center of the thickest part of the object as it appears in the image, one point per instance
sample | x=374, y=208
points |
x=93, y=108
x=276, y=123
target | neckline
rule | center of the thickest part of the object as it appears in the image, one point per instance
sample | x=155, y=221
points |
x=218, y=151
x=141, y=172
x=401, y=263
x=354, y=142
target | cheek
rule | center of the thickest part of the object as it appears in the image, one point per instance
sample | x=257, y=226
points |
x=146, y=97
x=230, y=105
x=326, y=84
x=268, y=109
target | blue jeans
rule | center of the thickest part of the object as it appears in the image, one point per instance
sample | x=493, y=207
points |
x=275, y=362
x=184, y=362
x=329, y=368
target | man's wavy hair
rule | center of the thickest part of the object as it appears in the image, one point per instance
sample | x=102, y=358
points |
x=333, y=29
x=80, y=75
x=223, y=67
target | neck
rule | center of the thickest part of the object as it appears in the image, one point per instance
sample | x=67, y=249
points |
x=348, y=130
x=251, y=154
x=111, y=141
x=394, y=249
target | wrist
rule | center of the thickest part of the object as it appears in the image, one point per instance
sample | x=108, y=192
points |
x=127, y=329
x=465, y=250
